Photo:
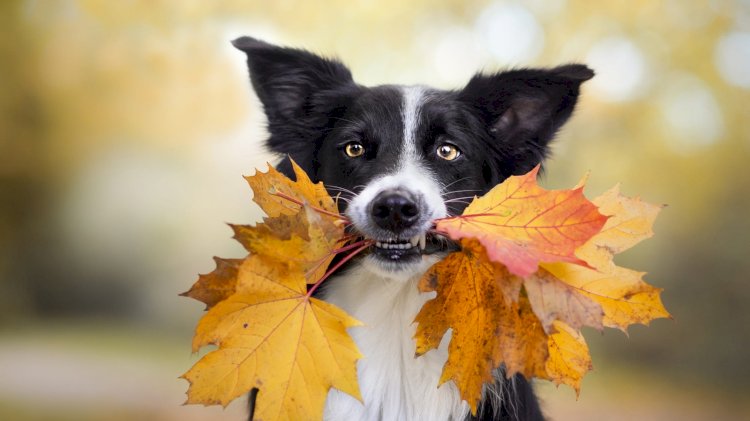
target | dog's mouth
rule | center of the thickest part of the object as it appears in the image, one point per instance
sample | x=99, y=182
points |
x=408, y=250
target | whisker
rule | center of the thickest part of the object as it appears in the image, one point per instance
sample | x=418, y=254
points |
x=339, y=188
x=460, y=191
x=461, y=197
x=455, y=181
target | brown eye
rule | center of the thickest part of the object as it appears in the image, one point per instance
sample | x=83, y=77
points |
x=448, y=152
x=354, y=149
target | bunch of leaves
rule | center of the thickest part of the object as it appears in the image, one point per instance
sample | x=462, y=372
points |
x=534, y=267
x=270, y=332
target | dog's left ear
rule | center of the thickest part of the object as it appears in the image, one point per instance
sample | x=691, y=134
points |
x=522, y=109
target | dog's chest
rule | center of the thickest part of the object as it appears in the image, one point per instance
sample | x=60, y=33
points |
x=395, y=385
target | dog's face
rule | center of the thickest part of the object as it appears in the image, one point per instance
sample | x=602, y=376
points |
x=399, y=157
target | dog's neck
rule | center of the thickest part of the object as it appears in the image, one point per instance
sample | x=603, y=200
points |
x=395, y=385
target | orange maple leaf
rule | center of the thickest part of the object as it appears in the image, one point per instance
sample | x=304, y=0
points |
x=470, y=288
x=479, y=299
x=520, y=224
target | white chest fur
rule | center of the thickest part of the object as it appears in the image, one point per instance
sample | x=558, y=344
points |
x=394, y=384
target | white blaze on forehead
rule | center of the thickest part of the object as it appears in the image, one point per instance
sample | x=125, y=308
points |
x=409, y=173
x=413, y=98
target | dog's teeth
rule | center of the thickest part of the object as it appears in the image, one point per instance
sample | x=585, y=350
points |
x=423, y=241
x=399, y=244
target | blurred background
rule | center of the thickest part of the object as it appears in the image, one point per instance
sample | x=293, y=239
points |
x=125, y=128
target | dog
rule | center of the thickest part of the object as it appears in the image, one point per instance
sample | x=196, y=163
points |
x=399, y=157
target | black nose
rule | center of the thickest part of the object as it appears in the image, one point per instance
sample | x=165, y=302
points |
x=394, y=210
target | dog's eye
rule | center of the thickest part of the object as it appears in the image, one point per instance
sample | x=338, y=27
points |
x=354, y=149
x=448, y=152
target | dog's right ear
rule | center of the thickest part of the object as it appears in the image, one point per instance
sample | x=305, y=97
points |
x=295, y=87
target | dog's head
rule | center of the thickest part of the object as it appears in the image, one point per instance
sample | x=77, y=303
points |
x=400, y=157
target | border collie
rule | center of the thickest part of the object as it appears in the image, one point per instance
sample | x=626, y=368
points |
x=399, y=157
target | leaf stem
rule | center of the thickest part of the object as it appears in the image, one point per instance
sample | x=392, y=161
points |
x=334, y=252
x=367, y=243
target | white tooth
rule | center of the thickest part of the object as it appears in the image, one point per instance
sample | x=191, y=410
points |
x=423, y=241
x=379, y=244
x=414, y=240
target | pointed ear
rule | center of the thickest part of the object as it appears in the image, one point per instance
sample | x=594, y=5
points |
x=286, y=78
x=301, y=93
x=522, y=109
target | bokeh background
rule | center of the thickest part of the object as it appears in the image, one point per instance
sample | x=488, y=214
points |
x=125, y=128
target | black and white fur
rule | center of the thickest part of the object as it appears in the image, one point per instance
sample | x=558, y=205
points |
x=499, y=124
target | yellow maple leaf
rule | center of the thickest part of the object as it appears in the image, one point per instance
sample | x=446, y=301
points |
x=273, y=191
x=273, y=336
x=569, y=358
x=623, y=295
x=630, y=222
x=304, y=239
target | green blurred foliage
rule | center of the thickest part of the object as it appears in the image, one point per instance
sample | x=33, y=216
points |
x=125, y=127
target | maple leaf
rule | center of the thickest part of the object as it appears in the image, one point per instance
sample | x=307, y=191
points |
x=470, y=292
x=623, y=295
x=304, y=239
x=520, y=224
x=273, y=336
x=569, y=358
x=551, y=299
x=273, y=191
x=218, y=285
x=630, y=222
x=479, y=299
